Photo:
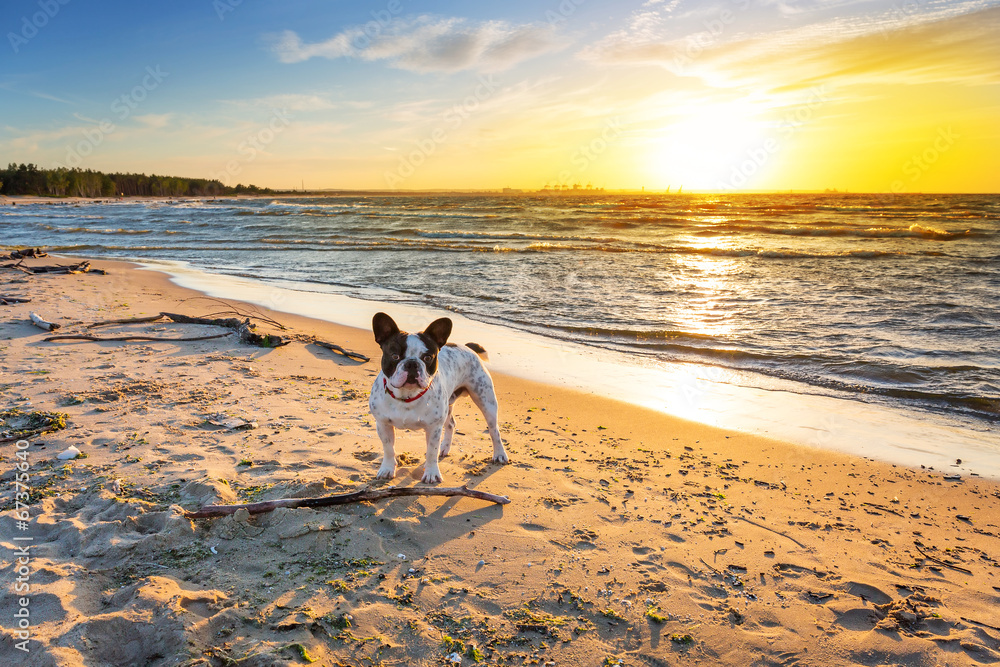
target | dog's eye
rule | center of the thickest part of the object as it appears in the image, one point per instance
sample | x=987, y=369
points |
x=395, y=357
x=428, y=358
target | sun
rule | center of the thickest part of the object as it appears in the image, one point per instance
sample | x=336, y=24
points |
x=705, y=148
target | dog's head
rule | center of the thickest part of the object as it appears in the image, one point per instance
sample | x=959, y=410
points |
x=410, y=359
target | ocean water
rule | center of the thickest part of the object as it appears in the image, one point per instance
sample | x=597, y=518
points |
x=887, y=300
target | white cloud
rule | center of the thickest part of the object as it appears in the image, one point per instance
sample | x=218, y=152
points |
x=299, y=102
x=428, y=44
x=885, y=43
x=154, y=120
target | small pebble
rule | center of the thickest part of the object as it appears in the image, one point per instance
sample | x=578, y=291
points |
x=70, y=453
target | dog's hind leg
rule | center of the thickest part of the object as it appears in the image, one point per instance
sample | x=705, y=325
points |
x=485, y=398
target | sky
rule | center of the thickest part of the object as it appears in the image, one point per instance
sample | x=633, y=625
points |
x=722, y=95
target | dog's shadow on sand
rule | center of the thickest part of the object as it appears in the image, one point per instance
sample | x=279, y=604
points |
x=443, y=524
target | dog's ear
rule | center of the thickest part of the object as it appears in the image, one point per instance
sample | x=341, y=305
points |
x=384, y=328
x=438, y=331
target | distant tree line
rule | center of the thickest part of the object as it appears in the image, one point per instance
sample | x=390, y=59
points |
x=28, y=179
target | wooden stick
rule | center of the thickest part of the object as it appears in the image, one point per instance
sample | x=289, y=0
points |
x=337, y=348
x=362, y=496
x=883, y=508
x=42, y=324
x=16, y=266
x=127, y=338
x=985, y=625
x=940, y=561
x=254, y=314
x=81, y=267
x=11, y=300
x=127, y=320
x=776, y=532
x=243, y=328
x=27, y=252
x=709, y=566
x=230, y=322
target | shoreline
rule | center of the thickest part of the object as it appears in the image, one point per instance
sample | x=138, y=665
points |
x=708, y=395
x=631, y=534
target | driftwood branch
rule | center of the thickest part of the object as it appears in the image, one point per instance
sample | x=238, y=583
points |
x=230, y=309
x=80, y=267
x=37, y=320
x=336, y=348
x=243, y=328
x=127, y=320
x=882, y=508
x=27, y=252
x=939, y=561
x=365, y=495
x=11, y=300
x=17, y=267
x=985, y=625
x=776, y=532
x=131, y=338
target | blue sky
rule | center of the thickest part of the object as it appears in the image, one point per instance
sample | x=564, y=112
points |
x=449, y=94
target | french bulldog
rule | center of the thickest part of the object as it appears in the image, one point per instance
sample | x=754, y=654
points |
x=422, y=375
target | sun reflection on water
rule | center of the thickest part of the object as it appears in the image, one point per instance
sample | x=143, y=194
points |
x=709, y=276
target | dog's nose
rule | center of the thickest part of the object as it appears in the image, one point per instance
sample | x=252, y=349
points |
x=412, y=368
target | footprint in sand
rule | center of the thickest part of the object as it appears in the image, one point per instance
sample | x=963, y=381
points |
x=868, y=593
x=585, y=538
x=858, y=620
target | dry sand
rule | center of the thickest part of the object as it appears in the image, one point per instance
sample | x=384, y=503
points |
x=631, y=538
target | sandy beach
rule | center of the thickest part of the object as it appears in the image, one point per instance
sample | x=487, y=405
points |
x=631, y=538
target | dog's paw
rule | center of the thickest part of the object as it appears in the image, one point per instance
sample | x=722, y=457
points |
x=386, y=472
x=431, y=477
x=501, y=458
x=444, y=451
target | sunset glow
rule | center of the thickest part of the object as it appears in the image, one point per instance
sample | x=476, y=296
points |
x=699, y=95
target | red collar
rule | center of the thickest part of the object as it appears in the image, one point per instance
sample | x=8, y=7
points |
x=385, y=383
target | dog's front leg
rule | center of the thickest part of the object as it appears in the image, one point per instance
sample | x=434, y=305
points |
x=432, y=474
x=387, y=434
